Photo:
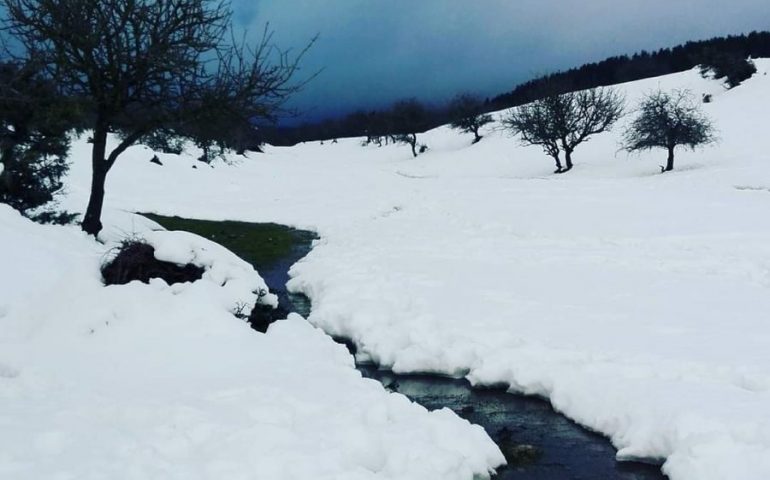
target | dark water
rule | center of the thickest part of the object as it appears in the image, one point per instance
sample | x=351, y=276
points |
x=539, y=443
x=276, y=274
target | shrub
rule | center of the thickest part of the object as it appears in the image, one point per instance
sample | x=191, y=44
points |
x=135, y=260
x=35, y=122
x=31, y=180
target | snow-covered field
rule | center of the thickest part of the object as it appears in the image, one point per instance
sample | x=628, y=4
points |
x=163, y=382
x=638, y=303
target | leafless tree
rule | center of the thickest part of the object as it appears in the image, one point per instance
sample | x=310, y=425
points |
x=562, y=122
x=408, y=118
x=467, y=115
x=143, y=65
x=533, y=123
x=668, y=120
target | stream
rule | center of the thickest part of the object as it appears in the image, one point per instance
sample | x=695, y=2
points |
x=538, y=442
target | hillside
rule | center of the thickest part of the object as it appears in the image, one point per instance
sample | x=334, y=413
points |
x=636, y=302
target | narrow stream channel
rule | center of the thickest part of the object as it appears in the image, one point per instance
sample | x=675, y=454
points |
x=539, y=443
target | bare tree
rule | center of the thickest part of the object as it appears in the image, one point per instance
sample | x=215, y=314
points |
x=143, y=65
x=408, y=118
x=668, y=120
x=562, y=122
x=467, y=115
x=533, y=123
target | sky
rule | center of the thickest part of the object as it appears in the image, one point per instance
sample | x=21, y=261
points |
x=371, y=53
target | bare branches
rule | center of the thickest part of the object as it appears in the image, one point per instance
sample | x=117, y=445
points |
x=408, y=118
x=562, y=122
x=668, y=120
x=534, y=124
x=467, y=115
x=148, y=65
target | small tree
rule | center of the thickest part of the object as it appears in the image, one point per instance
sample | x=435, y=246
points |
x=668, y=120
x=408, y=118
x=34, y=141
x=144, y=65
x=467, y=115
x=562, y=122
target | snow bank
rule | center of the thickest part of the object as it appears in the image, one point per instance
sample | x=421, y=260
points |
x=637, y=302
x=163, y=382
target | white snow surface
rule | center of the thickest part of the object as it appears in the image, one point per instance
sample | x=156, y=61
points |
x=162, y=381
x=638, y=303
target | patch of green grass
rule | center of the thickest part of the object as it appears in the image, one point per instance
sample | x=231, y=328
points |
x=260, y=244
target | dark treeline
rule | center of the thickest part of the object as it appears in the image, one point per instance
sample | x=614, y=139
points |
x=613, y=70
x=641, y=65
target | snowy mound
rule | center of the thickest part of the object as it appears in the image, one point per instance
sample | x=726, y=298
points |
x=163, y=382
x=637, y=302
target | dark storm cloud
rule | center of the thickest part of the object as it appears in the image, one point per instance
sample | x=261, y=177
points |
x=375, y=51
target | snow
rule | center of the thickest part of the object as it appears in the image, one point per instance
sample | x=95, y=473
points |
x=636, y=302
x=163, y=382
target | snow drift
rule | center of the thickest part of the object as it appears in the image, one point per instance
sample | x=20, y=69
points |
x=162, y=382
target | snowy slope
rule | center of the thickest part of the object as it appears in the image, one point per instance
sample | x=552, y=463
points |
x=637, y=302
x=163, y=382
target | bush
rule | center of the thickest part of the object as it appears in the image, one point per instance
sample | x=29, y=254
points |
x=32, y=181
x=135, y=260
x=34, y=125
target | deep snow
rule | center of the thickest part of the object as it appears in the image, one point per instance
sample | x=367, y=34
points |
x=162, y=382
x=636, y=302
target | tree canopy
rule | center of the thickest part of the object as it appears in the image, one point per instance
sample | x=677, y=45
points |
x=467, y=115
x=668, y=120
x=562, y=122
x=144, y=65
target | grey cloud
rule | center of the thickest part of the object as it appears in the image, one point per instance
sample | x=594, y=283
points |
x=375, y=51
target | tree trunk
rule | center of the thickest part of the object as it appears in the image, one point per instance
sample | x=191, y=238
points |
x=568, y=159
x=413, y=144
x=558, y=163
x=92, y=222
x=476, y=136
x=670, y=160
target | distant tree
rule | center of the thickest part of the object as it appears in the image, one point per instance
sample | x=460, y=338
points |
x=163, y=141
x=731, y=66
x=532, y=122
x=562, y=122
x=466, y=113
x=34, y=141
x=357, y=121
x=145, y=65
x=408, y=118
x=668, y=120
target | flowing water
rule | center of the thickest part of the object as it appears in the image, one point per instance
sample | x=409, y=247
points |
x=538, y=442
